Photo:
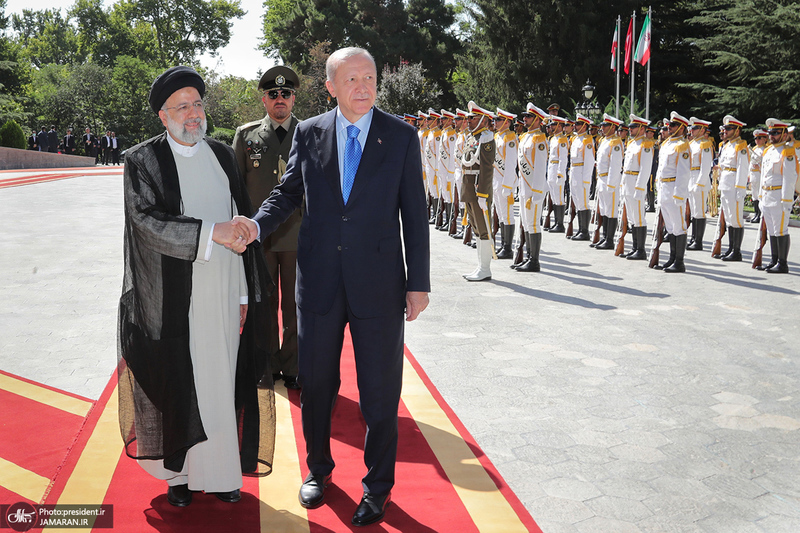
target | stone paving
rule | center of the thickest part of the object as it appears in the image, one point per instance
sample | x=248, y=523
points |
x=612, y=398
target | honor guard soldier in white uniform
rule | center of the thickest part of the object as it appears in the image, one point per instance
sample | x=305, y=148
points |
x=262, y=151
x=461, y=136
x=734, y=163
x=532, y=161
x=447, y=164
x=673, y=176
x=557, y=169
x=422, y=133
x=432, y=161
x=505, y=179
x=779, y=170
x=702, y=155
x=478, y=163
x=636, y=170
x=610, y=155
x=756, y=153
x=581, y=154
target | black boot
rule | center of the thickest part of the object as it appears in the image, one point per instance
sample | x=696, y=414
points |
x=700, y=229
x=782, y=266
x=447, y=212
x=634, y=243
x=756, y=212
x=523, y=259
x=680, y=251
x=507, y=240
x=731, y=240
x=611, y=230
x=603, y=234
x=773, y=250
x=558, y=212
x=694, y=232
x=434, y=210
x=532, y=264
x=640, y=238
x=583, y=217
x=736, y=236
x=671, y=240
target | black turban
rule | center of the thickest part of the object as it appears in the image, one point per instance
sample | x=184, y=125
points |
x=171, y=80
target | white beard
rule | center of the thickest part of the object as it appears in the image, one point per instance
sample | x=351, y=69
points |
x=178, y=130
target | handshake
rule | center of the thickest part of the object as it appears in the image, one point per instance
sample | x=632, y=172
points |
x=235, y=234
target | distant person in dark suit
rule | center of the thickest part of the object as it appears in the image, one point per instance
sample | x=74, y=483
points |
x=89, y=144
x=114, y=148
x=69, y=142
x=105, y=146
x=32, y=143
x=42, y=141
x=52, y=140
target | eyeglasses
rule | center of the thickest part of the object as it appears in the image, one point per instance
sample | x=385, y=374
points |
x=183, y=109
x=729, y=128
x=775, y=132
x=284, y=93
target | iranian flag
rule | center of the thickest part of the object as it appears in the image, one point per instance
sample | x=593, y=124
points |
x=643, y=47
x=614, y=48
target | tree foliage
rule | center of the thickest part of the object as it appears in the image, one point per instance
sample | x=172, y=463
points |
x=405, y=89
x=11, y=135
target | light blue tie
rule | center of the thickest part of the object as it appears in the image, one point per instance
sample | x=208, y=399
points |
x=352, y=156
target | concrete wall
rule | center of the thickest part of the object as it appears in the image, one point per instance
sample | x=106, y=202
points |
x=16, y=159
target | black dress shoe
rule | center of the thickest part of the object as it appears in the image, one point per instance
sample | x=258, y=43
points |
x=179, y=495
x=291, y=382
x=230, y=497
x=312, y=491
x=371, y=509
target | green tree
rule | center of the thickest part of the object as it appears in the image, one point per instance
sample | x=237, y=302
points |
x=130, y=115
x=11, y=135
x=182, y=31
x=233, y=101
x=47, y=37
x=14, y=75
x=406, y=89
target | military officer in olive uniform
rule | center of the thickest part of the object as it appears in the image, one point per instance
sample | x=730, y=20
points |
x=477, y=171
x=262, y=150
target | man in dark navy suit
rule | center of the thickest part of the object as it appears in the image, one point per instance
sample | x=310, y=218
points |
x=359, y=172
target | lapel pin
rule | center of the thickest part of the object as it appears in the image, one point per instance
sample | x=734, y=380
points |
x=380, y=141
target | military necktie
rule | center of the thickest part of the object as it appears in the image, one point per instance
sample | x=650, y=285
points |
x=352, y=156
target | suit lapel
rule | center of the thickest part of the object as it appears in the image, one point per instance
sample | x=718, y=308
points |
x=374, y=151
x=325, y=134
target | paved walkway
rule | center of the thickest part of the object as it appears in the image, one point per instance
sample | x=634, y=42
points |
x=611, y=397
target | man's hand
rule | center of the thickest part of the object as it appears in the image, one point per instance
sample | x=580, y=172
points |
x=416, y=302
x=242, y=315
x=249, y=227
x=231, y=235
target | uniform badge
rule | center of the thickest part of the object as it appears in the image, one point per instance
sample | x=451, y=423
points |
x=563, y=145
x=685, y=155
x=256, y=163
x=541, y=146
x=706, y=149
x=647, y=149
x=280, y=80
x=744, y=152
x=511, y=144
x=488, y=147
x=790, y=158
x=616, y=148
x=452, y=139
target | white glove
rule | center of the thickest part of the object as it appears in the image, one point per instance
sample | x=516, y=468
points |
x=482, y=203
x=639, y=194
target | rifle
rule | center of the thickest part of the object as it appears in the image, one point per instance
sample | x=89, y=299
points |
x=762, y=240
x=658, y=238
x=623, y=230
x=549, y=212
x=718, y=234
x=572, y=213
x=688, y=213
x=713, y=197
x=597, y=220
x=439, y=213
x=452, y=228
x=521, y=247
x=493, y=225
x=468, y=235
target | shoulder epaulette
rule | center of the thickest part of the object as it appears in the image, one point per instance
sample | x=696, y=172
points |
x=648, y=143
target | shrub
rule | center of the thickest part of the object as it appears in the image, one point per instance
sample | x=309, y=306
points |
x=11, y=135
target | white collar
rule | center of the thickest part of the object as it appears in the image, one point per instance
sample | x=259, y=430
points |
x=182, y=150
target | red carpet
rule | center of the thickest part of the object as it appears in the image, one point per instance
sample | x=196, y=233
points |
x=424, y=499
x=51, y=175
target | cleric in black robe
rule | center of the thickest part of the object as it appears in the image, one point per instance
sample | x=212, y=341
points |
x=163, y=392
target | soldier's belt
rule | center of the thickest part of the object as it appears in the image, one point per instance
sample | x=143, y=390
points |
x=694, y=168
x=631, y=172
x=472, y=172
x=553, y=161
x=773, y=188
x=577, y=164
x=729, y=169
x=603, y=175
x=667, y=180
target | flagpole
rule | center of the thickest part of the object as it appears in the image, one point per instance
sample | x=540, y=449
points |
x=633, y=37
x=619, y=38
x=649, y=62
